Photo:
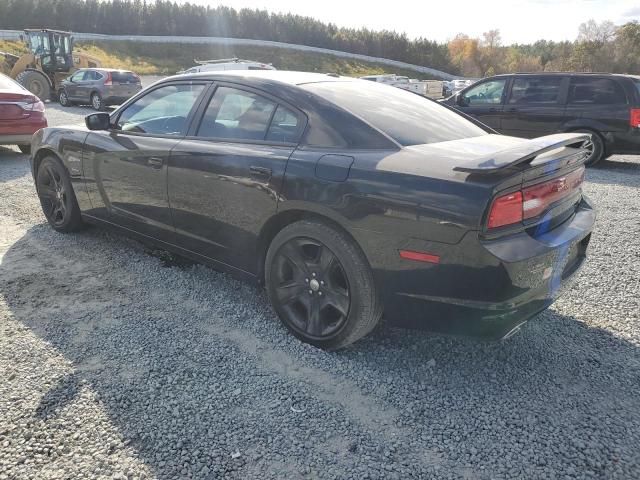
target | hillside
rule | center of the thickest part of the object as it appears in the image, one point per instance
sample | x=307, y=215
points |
x=163, y=59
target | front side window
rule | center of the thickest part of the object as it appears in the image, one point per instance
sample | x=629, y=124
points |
x=487, y=93
x=78, y=76
x=595, y=91
x=535, y=90
x=238, y=115
x=163, y=111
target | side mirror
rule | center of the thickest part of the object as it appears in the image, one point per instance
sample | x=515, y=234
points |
x=461, y=100
x=98, y=121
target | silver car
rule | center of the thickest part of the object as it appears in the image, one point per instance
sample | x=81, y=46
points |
x=99, y=87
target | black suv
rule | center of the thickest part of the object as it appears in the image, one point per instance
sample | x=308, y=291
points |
x=536, y=104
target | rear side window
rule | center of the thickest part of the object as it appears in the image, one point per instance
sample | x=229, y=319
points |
x=595, y=91
x=123, y=77
x=238, y=115
x=406, y=117
x=284, y=127
x=535, y=90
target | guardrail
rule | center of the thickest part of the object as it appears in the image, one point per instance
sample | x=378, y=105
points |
x=15, y=34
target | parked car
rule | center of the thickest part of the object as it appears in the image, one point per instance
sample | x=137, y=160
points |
x=21, y=114
x=344, y=210
x=607, y=106
x=227, y=64
x=99, y=87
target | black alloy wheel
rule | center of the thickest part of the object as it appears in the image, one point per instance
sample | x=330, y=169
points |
x=321, y=285
x=56, y=195
x=311, y=287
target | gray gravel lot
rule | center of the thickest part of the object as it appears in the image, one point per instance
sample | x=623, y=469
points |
x=114, y=364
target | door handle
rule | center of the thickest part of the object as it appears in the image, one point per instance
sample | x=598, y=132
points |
x=492, y=109
x=155, y=162
x=261, y=172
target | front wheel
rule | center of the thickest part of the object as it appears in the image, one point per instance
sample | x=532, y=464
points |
x=63, y=98
x=321, y=285
x=57, y=197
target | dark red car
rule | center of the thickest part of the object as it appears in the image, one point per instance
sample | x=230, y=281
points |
x=21, y=114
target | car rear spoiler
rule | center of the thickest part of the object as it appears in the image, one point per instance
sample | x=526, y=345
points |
x=529, y=152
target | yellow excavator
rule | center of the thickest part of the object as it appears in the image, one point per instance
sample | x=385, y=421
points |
x=49, y=60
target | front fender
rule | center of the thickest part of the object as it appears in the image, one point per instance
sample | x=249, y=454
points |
x=67, y=144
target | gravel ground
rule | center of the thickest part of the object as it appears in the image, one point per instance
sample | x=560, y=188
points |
x=116, y=364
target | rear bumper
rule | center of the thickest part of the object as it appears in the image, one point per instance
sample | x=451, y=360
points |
x=119, y=94
x=487, y=288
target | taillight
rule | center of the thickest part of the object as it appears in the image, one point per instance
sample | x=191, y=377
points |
x=537, y=198
x=108, y=82
x=634, y=117
x=506, y=210
x=532, y=201
x=38, y=106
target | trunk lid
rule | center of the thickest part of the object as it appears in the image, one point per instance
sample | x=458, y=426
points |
x=544, y=174
x=15, y=106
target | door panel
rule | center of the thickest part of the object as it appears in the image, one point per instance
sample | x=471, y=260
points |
x=126, y=167
x=224, y=182
x=535, y=107
x=127, y=181
x=221, y=195
x=72, y=87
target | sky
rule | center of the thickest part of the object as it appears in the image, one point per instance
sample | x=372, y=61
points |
x=519, y=21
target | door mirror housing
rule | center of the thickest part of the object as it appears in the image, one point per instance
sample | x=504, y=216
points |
x=461, y=100
x=98, y=121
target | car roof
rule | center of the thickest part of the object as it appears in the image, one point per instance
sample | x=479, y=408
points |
x=101, y=69
x=263, y=77
x=551, y=74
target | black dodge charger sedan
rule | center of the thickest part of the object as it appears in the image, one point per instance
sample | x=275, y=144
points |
x=349, y=200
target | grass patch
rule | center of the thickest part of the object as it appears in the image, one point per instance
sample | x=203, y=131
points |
x=168, y=58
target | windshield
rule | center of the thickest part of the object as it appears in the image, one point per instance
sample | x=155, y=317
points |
x=406, y=117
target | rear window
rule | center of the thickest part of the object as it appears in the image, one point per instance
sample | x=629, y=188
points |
x=406, y=117
x=124, y=77
x=595, y=91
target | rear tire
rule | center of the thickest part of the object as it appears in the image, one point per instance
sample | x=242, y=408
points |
x=96, y=102
x=321, y=286
x=57, y=198
x=36, y=83
x=597, y=149
x=26, y=149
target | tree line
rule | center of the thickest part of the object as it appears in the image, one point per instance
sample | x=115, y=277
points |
x=598, y=46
